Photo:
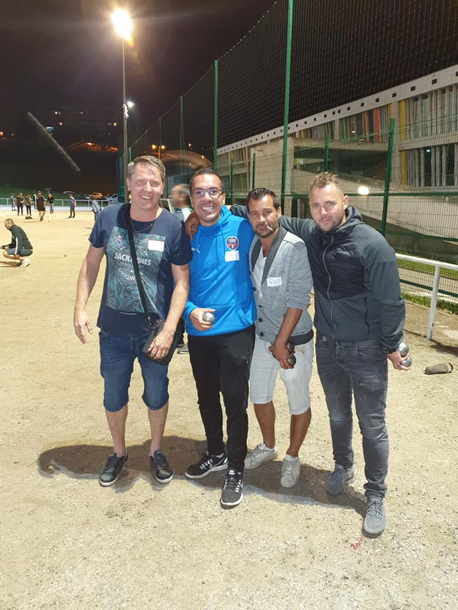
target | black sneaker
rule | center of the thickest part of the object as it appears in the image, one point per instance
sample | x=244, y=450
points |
x=112, y=469
x=207, y=463
x=232, y=489
x=160, y=467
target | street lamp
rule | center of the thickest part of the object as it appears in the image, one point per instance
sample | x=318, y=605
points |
x=123, y=26
x=157, y=149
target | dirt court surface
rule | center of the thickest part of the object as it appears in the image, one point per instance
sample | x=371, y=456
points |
x=69, y=543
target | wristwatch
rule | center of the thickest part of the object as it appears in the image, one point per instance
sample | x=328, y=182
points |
x=387, y=350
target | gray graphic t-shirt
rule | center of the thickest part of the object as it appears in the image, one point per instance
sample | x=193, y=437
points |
x=158, y=245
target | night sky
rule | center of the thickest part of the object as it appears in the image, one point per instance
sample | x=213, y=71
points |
x=66, y=50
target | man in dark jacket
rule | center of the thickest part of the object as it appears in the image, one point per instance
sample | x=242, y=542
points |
x=20, y=247
x=359, y=317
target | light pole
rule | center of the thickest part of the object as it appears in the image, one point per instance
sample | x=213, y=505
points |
x=157, y=149
x=123, y=26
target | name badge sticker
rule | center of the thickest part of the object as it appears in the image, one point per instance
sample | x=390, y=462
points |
x=233, y=255
x=156, y=246
x=274, y=281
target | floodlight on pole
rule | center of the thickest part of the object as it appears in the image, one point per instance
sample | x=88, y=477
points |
x=123, y=27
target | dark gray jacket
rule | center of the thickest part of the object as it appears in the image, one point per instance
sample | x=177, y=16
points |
x=355, y=278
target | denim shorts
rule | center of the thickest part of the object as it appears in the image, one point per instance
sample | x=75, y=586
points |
x=117, y=356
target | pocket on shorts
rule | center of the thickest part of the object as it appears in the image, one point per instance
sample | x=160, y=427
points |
x=306, y=350
x=103, y=334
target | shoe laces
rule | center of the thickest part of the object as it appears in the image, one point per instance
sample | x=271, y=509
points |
x=290, y=467
x=375, y=508
x=160, y=460
x=233, y=481
x=206, y=460
x=338, y=474
x=261, y=449
x=112, y=461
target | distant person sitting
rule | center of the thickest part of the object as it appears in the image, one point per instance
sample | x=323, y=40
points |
x=20, y=247
x=180, y=200
x=41, y=207
x=28, y=207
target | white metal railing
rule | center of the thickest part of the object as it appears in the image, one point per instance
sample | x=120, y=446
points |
x=438, y=265
x=58, y=203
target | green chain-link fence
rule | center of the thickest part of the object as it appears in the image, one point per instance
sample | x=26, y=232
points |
x=404, y=154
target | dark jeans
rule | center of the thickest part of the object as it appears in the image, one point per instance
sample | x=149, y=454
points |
x=180, y=331
x=221, y=363
x=358, y=368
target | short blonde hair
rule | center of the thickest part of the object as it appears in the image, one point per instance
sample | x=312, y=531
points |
x=323, y=179
x=150, y=161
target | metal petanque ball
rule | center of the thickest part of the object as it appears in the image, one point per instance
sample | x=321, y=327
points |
x=290, y=347
x=207, y=316
x=403, y=349
x=291, y=360
x=407, y=362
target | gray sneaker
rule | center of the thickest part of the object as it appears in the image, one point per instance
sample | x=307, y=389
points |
x=375, y=519
x=232, y=489
x=290, y=472
x=260, y=454
x=335, y=483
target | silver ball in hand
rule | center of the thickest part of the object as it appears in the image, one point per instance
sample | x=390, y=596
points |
x=207, y=316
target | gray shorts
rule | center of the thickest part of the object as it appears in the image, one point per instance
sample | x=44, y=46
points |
x=264, y=371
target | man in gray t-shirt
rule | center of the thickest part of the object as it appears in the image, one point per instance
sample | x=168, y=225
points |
x=180, y=201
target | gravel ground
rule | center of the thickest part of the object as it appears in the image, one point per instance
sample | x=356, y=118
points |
x=68, y=543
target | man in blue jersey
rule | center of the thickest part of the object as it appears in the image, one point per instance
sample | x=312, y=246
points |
x=220, y=349
x=163, y=254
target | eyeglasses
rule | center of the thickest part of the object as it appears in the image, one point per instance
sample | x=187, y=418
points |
x=213, y=193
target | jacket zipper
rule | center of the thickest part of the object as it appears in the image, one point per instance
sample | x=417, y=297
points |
x=329, y=286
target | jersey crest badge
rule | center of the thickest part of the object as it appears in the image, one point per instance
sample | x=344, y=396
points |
x=232, y=243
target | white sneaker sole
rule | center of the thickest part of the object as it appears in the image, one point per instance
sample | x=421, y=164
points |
x=289, y=484
x=231, y=504
x=163, y=481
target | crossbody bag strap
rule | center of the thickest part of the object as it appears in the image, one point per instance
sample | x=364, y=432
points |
x=141, y=289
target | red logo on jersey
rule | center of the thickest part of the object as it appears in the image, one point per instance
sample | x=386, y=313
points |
x=232, y=243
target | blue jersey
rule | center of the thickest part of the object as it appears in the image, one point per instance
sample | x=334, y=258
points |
x=220, y=276
x=158, y=244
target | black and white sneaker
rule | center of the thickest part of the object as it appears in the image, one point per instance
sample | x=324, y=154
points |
x=160, y=467
x=207, y=463
x=112, y=469
x=232, y=489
